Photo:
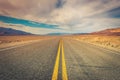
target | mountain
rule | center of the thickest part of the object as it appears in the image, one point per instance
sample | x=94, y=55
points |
x=58, y=33
x=67, y=33
x=9, y=31
x=109, y=32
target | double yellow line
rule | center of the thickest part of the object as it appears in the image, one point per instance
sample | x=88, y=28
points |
x=56, y=66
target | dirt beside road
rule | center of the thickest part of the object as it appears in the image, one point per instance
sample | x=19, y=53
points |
x=8, y=41
x=110, y=42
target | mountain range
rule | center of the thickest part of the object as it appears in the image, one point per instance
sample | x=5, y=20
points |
x=108, y=32
x=10, y=31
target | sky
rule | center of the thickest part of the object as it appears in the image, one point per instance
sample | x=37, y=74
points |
x=60, y=16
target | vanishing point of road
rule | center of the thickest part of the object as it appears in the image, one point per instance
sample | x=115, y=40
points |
x=59, y=59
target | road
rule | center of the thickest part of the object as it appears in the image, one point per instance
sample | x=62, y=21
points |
x=59, y=59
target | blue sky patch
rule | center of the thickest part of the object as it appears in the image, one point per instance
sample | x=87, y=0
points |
x=114, y=13
x=12, y=20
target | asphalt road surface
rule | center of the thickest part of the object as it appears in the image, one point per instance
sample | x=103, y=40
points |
x=59, y=59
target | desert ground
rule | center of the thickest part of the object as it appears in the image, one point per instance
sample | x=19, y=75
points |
x=58, y=58
x=110, y=42
x=93, y=56
x=8, y=41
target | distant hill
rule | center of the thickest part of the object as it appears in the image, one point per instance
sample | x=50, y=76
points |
x=109, y=32
x=9, y=31
x=58, y=33
x=66, y=33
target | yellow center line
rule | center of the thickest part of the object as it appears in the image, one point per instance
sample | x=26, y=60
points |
x=56, y=66
x=64, y=70
x=55, y=72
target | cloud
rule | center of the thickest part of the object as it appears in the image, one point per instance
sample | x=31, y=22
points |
x=60, y=3
x=25, y=8
x=79, y=9
x=71, y=15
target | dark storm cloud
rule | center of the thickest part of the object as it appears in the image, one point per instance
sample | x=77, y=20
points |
x=60, y=3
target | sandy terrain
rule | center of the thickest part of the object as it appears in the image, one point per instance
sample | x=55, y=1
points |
x=111, y=42
x=8, y=41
